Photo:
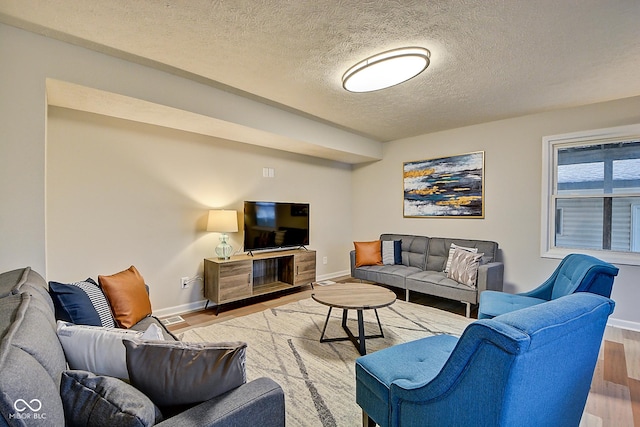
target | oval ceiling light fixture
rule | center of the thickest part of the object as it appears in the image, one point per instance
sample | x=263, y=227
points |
x=386, y=69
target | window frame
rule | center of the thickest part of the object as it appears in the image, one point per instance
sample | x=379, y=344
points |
x=550, y=144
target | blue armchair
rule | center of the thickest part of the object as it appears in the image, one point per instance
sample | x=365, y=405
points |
x=575, y=273
x=529, y=367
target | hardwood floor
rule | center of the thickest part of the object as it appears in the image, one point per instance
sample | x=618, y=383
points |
x=614, y=398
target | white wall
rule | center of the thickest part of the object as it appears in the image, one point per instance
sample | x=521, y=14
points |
x=27, y=60
x=22, y=124
x=122, y=193
x=513, y=156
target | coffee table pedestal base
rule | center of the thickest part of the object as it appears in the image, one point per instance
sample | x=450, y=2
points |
x=359, y=341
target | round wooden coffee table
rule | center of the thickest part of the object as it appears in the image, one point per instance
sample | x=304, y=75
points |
x=354, y=296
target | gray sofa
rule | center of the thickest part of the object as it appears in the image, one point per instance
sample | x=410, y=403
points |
x=32, y=363
x=422, y=269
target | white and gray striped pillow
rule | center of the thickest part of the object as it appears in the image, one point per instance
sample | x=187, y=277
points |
x=464, y=267
x=451, y=250
x=98, y=300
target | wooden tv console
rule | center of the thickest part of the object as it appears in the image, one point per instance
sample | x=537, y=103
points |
x=245, y=276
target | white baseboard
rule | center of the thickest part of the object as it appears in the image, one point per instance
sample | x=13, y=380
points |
x=624, y=324
x=199, y=305
x=333, y=275
x=180, y=309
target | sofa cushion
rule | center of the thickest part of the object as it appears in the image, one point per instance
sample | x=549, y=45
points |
x=438, y=284
x=368, y=253
x=98, y=349
x=127, y=296
x=439, y=251
x=391, y=252
x=464, y=267
x=144, y=324
x=82, y=303
x=392, y=275
x=178, y=373
x=8, y=281
x=92, y=400
x=414, y=249
x=31, y=362
x=25, y=280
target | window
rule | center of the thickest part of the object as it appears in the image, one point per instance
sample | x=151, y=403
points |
x=591, y=194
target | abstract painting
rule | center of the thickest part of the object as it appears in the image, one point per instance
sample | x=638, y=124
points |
x=445, y=187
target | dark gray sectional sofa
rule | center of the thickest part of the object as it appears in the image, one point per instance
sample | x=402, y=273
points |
x=32, y=364
x=422, y=269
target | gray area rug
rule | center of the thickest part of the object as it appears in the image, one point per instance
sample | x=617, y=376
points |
x=319, y=378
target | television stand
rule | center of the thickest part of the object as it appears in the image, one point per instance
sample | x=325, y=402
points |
x=246, y=276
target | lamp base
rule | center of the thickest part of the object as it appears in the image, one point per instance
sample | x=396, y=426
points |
x=224, y=250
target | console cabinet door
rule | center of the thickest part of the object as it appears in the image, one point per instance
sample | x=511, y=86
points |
x=304, y=267
x=228, y=281
x=235, y=280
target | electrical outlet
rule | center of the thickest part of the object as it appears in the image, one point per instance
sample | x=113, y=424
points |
x=184, y=282
x=324, y=260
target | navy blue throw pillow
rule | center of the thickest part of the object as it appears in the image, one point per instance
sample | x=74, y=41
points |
x=82, y=303
x=397, y=251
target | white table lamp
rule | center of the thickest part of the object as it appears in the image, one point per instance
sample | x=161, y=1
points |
x=223, y=221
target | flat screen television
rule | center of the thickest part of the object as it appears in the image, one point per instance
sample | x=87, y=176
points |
x=275, y=225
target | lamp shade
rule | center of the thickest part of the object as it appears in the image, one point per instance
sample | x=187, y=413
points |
x=223, y=221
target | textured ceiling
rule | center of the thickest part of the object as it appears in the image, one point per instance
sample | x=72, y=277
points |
x=490, y=59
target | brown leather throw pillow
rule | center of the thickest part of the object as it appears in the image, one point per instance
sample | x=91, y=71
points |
x=127, y=296
x=368, y=253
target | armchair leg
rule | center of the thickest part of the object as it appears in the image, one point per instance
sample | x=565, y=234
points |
x=366, y=421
